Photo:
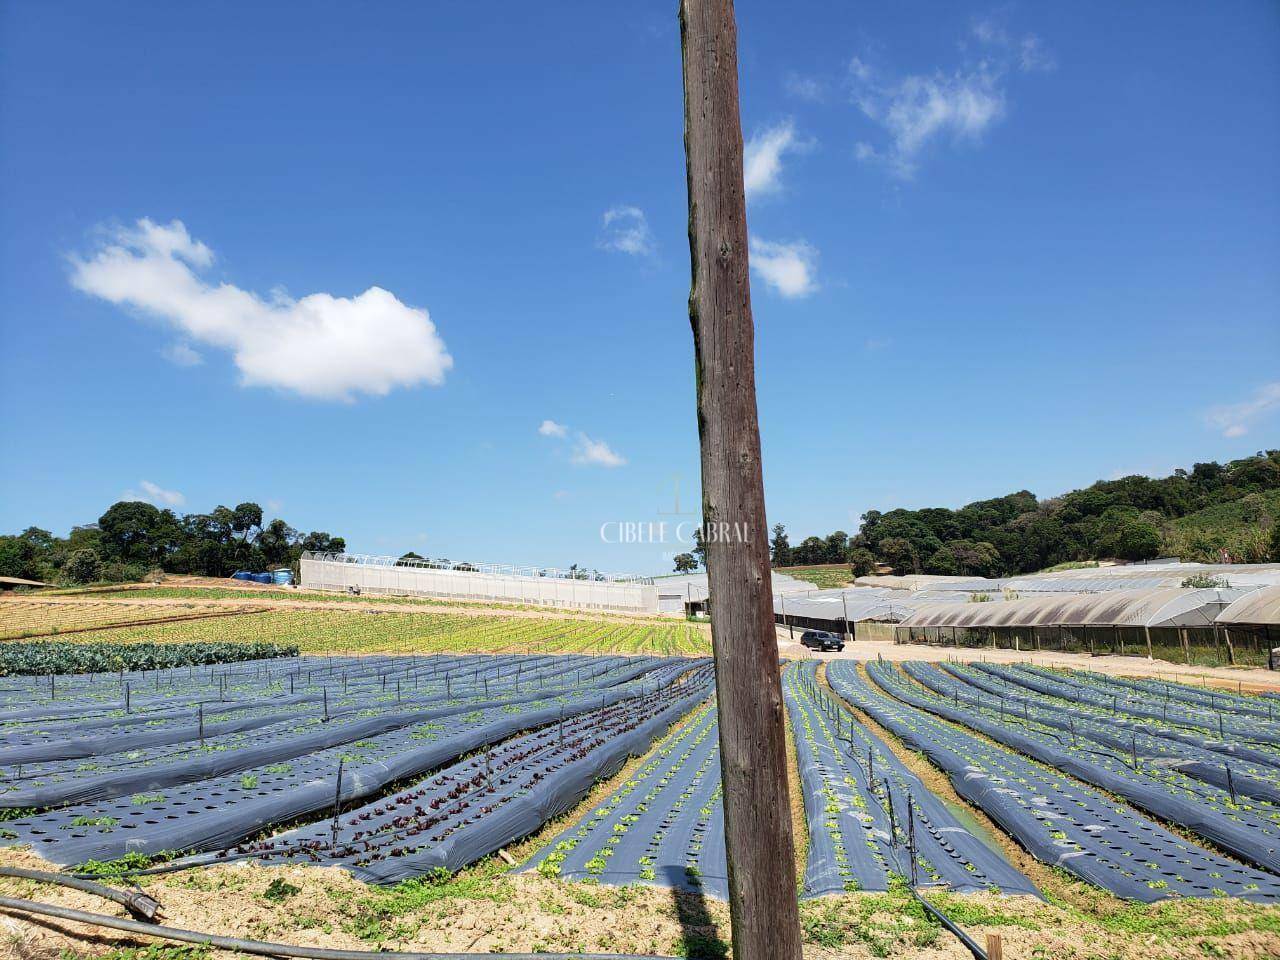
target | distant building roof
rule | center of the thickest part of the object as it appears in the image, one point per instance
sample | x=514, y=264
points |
x=19, y=582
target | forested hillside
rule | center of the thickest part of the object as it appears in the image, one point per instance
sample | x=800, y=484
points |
x=1212, y=512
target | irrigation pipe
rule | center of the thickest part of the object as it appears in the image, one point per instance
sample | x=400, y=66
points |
x=139, y=904
x=969, y=943
x=268, y=949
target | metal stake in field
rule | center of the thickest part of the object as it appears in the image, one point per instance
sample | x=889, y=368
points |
x=758, y=841
x=337, y=805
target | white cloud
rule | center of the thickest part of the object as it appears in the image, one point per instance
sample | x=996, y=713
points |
x=154, y=494
x=585, y=451
x=805, y=88
x=626, y=230
x=1033, y=56
x=1028, y=51
x=762, y=158
x=182, y=355
x=919, y=109
x=1235, y=419
x=321, y=346
x=595, y=452
x=789, y=268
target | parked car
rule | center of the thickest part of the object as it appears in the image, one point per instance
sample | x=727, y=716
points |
x=822, y=640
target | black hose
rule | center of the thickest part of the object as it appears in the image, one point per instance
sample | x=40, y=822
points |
x=969, y=943
x=268, y=949
x=139, y=904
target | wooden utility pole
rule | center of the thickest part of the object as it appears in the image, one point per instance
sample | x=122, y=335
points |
x=757, y=815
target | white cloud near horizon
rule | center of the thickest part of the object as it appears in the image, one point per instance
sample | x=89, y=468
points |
x=321, y=346
x=1235, y=419
x=585, y=451
x=626, y=230
x=155, y=495
x=789, y=268
x=762, y=158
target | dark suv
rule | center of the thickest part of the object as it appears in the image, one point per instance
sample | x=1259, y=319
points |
x=822, y=640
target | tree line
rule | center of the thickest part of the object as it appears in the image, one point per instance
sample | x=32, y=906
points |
x=1236, y=507
x=133, y=538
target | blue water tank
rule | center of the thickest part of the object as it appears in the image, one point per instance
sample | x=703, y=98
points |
x=283, y=576
x=242, y=575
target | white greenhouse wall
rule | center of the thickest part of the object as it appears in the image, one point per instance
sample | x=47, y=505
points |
x=464, y=585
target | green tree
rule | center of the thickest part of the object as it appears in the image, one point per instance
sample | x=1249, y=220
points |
x=900, y=554
x=779, y=547
x=943, y=562
x=246, y=518
x=317, y=541
x=835, y=547
x=276, y=541
x=137, y=532
x=83, y=566
x=1135, y=540
x=18, y=558
x=686, y=562
x=862, y=562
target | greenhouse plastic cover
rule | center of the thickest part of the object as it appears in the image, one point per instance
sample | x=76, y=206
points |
x=1131, y=608
x=1260, y=607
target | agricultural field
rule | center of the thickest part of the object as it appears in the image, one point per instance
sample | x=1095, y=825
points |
x=564, y=794
x=346, y=631
x=184, y=592
x=22, y=617
x=826, y=576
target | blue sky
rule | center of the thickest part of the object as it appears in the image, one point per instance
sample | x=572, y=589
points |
x=417, y=275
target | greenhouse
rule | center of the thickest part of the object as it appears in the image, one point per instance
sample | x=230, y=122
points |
x=1254, y=621
x=859, y=612
x=1180, y=625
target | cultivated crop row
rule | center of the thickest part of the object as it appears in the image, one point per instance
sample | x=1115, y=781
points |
x=1241, y=768
x=663, y=826
x=56, y=658
x=1057, y=818
x=1224, y=724
x=870, y=818
x=322, y=631
x=349, y=729
x=1244, y=826
x=29, y=618
x=498, y=795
